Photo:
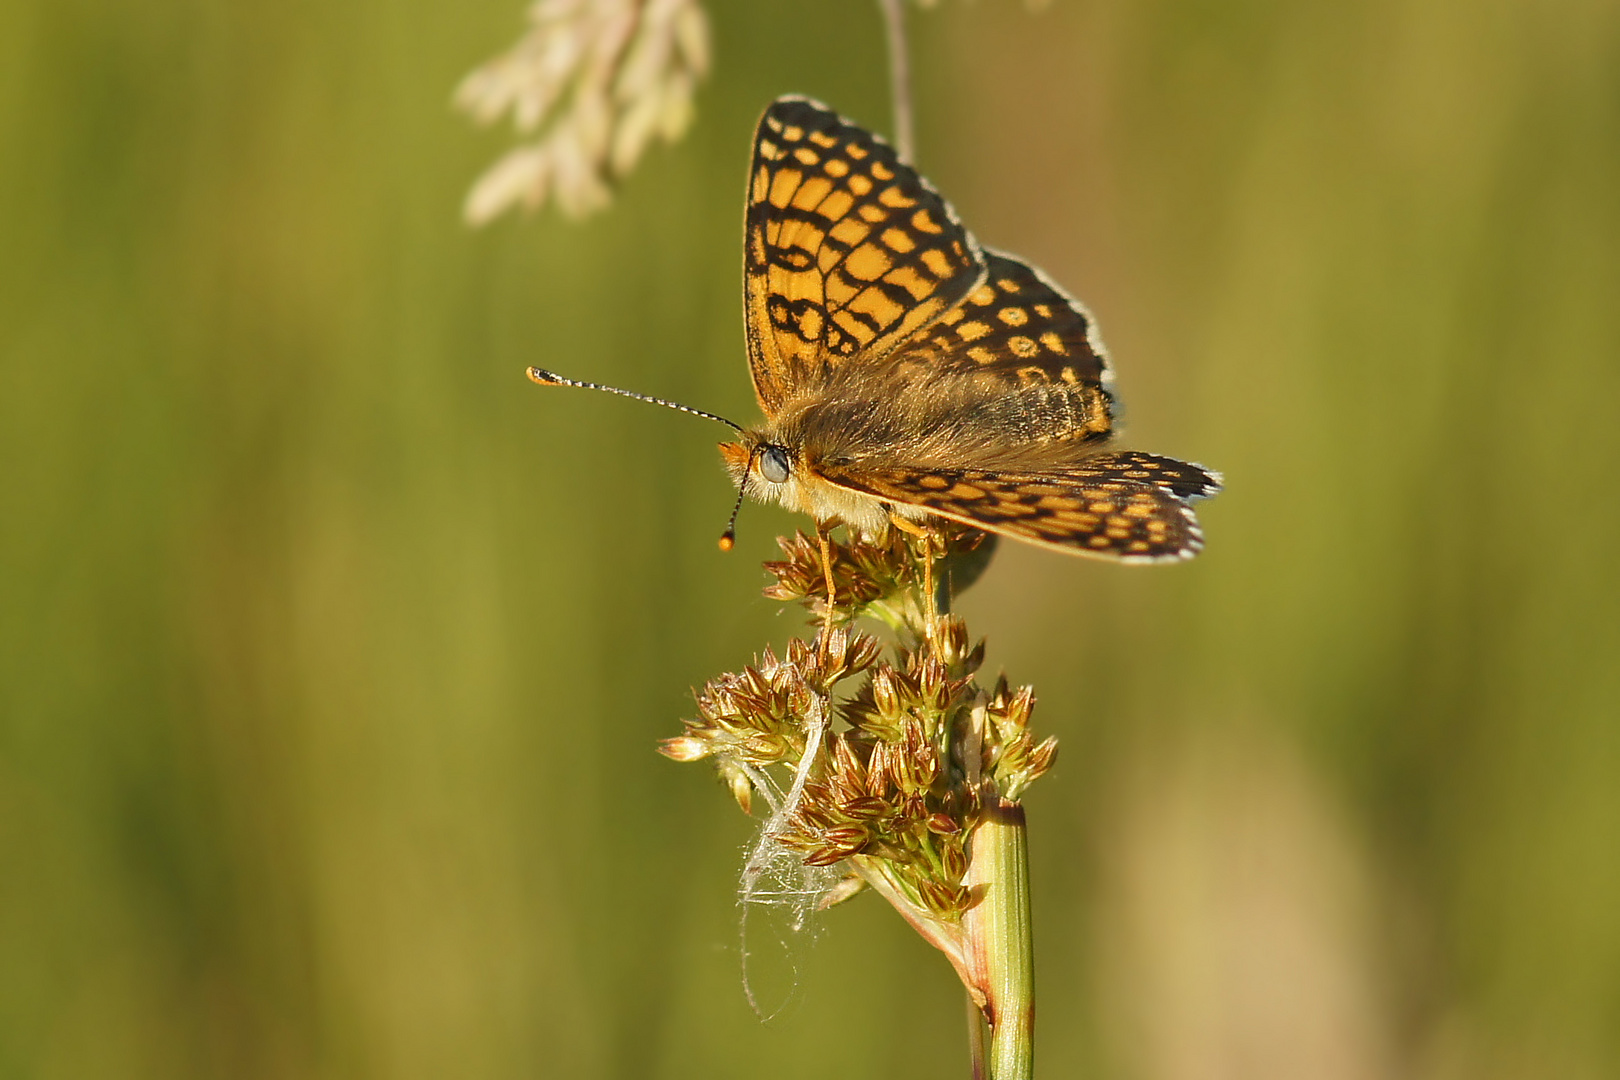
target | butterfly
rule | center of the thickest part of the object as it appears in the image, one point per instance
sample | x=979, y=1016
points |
x=905, y=373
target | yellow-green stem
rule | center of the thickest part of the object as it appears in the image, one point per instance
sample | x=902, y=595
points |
x=999, y=944
x=977, y=1046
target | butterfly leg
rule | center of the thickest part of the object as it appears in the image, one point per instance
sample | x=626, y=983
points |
x=903, y=524
x=826, y=571
x=929, y=588
x=914, y=529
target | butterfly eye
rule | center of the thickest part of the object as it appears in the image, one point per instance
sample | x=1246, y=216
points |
x=773, y=464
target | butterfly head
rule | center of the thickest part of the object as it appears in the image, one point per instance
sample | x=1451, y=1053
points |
x=754, y=456
x=772, y=469
x=766, y=469
x=758, y=464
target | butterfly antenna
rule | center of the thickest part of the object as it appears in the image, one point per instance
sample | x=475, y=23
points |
x=549, y=378
x=729, y=537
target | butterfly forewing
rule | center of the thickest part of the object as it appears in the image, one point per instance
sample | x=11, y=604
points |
x=848, y=251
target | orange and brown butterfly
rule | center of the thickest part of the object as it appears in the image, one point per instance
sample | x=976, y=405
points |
x=905, y=372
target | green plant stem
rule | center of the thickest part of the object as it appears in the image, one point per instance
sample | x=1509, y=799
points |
x=894, y=25
x=999, y=943
x=978, y=1048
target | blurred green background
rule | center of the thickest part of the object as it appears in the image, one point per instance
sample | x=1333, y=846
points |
x=333, y=653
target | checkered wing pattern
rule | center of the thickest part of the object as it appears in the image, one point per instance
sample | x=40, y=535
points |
x=848, y=251
x=1016, y=324
x=1019, y=336
x=1125, y=505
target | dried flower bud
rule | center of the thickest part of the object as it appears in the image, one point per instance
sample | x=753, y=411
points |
x=886, y=688
x=845, y=889
x=742, y=788
x=684, y=748
x=852, y=837
x=1043, y=756
x=918, y=758
x=1015, y=714
x=943, y=900
x=865, y=807
x=827, y=856
x=953, y=648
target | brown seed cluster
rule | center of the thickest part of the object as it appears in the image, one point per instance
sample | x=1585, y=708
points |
x=862, y=572
x=882, y=579
x=755, y=718
x=916, y=748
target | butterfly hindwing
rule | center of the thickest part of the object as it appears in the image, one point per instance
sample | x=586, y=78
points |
x=848, y=251
x=1018, y=325
x=1092, y=509
x=1027, y=348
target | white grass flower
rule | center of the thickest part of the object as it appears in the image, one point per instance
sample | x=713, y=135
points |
x=591, y=84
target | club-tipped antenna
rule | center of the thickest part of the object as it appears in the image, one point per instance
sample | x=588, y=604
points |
x=729, y=537
x=551, y=378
